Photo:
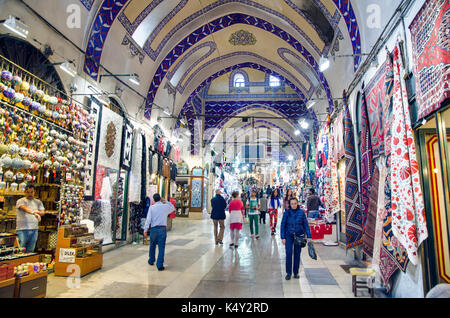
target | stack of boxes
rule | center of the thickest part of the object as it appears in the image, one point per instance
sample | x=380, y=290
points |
x=6, y=272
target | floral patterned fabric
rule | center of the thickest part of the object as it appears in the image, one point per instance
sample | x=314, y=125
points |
x=408, y=213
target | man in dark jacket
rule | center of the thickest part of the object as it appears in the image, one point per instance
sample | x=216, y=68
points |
x=218, y=205
x=313, y=203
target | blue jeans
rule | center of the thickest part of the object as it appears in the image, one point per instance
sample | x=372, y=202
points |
x=158, y=237
x=27, y=239
x=296, y=255
x=314, y=214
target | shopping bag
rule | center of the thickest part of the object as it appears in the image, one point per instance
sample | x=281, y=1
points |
x=312, y=251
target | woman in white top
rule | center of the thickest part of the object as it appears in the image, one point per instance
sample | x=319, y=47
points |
x=273, y=204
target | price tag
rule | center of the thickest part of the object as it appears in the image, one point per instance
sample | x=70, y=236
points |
x=67, y=255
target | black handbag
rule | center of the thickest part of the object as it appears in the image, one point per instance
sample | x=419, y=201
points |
x=300, y=240
x=312, y=251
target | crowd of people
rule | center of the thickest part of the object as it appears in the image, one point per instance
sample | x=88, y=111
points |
x=294, y=227
x=254, y=205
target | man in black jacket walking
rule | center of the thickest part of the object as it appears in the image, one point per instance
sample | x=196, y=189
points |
x=218, y=216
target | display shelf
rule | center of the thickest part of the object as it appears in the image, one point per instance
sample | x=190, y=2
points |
x=31, y=286
x=87, y=263
x=7, y=288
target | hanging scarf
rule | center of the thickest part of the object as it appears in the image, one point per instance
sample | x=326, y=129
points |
x=366, y=169
x=408, y=213
x=353, y=217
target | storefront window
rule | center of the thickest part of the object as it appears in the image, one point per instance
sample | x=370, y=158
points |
x=434, y=140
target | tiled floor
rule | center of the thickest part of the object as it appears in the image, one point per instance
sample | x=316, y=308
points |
x=196, y=267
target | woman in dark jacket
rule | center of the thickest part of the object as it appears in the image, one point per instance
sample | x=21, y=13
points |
x=294, y=221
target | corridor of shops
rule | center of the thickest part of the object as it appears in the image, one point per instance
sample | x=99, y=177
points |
x=129, y=127
x=197, y=268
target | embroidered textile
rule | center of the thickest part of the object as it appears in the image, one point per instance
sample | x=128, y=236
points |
x=371, y=217
x=431, y=55
x=338, y=135
x=408, y=213
x=134, y=189
x=374, y=100
x=391, y=252
x=379, y=215
x=110, y=141
x=353, y=217
x=366, y=161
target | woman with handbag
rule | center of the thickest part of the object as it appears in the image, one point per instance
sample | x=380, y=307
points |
x=237, y=212
x=295, y=234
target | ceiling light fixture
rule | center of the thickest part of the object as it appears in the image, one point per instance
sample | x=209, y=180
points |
x=310, y=104
x=66, y=67
x=297, y=132
x=13, y=24
x=134, y=78
x=304, y=124
x=324, y=63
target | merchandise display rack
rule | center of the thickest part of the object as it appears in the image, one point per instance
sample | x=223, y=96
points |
x=53, y=126
x=83, y=249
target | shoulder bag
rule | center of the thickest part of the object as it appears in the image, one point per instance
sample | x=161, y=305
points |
x=300, y=240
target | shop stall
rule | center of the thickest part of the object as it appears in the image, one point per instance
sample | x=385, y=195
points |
x=43, y=143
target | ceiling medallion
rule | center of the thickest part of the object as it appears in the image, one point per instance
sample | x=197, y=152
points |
x=242, y=37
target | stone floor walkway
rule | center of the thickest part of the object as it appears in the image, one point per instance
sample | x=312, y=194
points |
x=196, y=267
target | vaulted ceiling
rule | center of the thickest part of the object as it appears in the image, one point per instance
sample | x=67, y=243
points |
x=182, y=48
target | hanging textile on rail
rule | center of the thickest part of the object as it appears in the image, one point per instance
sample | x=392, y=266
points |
x=374, y=100
x=338, y=135
x=371, y=217
x=134, y=188
x=408, y=212
x=392, y=254
x=431, y=55
x=366, y=171
x=353, y=217
x=379, y=216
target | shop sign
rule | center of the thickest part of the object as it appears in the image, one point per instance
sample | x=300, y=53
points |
x=67, y=255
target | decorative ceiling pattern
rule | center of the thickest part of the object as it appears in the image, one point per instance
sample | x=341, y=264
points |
x=102, y=24
x=229, y=69
x=87, y=4
x=212, y=48
x=247, y=128
x=220, y=24
x=153, y=54
x=291, y=110
x=347, y=12
x=274, y=69
x=242, y=37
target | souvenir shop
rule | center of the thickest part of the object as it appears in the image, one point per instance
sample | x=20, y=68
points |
x=386, y=150
x=86, y=162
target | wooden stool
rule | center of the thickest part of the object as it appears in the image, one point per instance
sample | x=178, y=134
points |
x=368, y=274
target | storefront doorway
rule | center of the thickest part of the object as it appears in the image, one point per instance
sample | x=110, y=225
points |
x=434, y=145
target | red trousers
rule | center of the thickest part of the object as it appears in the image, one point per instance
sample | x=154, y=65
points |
x=273, y=213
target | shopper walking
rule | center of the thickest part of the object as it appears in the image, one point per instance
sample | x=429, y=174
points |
x=253, y=206
x=294, y=222
x=157, y=222
x=312, y=204
x=218, y=216
x=244, y=201
x=29, y=212
x=273, y=205
x=262, y=209
x=237, y=211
